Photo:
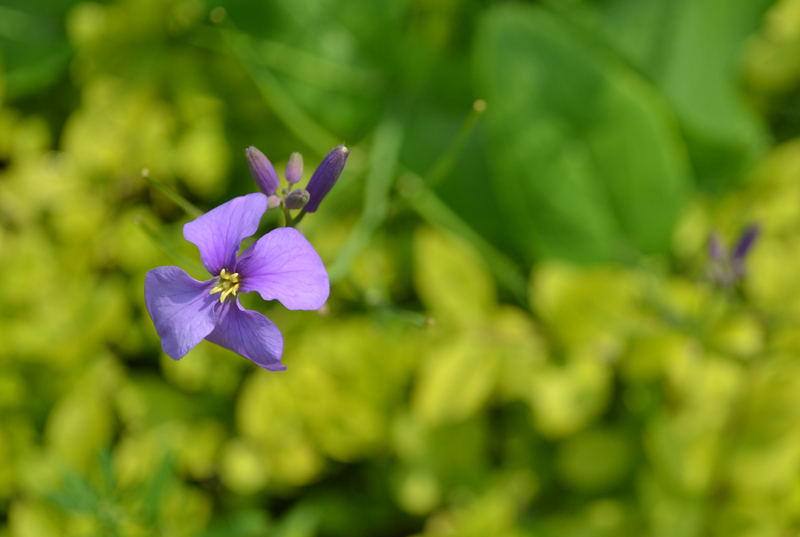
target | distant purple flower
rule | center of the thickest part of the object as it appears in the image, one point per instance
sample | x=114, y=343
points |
x=280, y=265
x=725, y=267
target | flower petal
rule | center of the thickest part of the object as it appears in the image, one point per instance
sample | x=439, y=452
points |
x=249, y=334
x=218, y=233
x=283, y=265
x=181, y=308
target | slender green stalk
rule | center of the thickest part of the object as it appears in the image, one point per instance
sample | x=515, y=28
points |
x=444, y=165
x=420, y=195
x=320, y=72
x=297, y=220
x=436, y=212
x=167, y=248
x=288, y=216
x=179, y=200
x=384, y=157
x=279, y=100
x=411, y=317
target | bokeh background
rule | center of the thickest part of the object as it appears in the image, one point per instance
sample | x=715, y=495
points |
x=526, y=335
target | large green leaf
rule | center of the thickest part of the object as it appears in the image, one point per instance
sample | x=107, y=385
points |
x=34, y=52
x=451, y=280
x=588, y=164
x=690, y=50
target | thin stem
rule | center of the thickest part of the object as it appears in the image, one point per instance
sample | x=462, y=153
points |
x=446, y=162
x=386, y=144
x=179, y=200
x=299, y=217
x=166, y=247
x=426, y=204
x=291, y=114
x=288, y=215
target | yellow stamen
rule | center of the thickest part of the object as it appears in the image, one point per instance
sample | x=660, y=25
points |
x=227, y=284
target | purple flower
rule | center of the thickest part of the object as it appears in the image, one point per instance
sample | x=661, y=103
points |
x=280, y=265
x=725, y=267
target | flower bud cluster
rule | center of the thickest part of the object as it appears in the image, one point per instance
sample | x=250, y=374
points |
x=308, y=199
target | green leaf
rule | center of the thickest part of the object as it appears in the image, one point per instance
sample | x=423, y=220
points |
x=564, y=399
x=455, y=381
x=156, y=488
x=588, y=162
x=451, y=279
x=282, y=103
x=34, y=50
x=301, y=521
x=244, y=523
x=77, y=494
x=106, y=471
x=437, y=213
x=579, y=466
x=690, y=50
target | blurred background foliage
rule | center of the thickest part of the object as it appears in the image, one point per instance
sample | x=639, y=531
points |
x=524, y=336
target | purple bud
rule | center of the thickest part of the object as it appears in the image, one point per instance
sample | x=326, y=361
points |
x=262, y=170
x=746, y=240
x=325, y=176
x=297, y=199
x=716, y=249
x=273, y=202
x=294, y=168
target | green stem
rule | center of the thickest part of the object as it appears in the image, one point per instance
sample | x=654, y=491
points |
x=436, y=212
x=299, y=217
x=167, y=248
x=386, y=144
x=279, y=100
x=420, y=195
x=411, y=317
x=179, y=200
x=444, y=165
x=288, y=216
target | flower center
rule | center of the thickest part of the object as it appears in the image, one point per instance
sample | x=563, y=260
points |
x=227, y=284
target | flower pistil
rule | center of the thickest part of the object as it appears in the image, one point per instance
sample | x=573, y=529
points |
x=227, y=284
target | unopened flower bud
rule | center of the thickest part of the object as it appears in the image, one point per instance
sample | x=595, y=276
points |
x=325, y=176
x=273, y=202
x=294, y=168
x=716, y=249
x=262, y=170
x=297, y=199
x=746, y=240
